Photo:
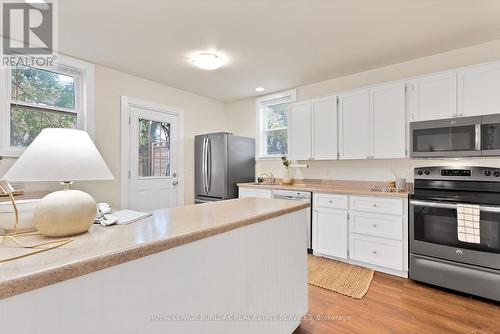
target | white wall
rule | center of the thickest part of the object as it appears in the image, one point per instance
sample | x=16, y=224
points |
x=201, y=115
x=242, y=116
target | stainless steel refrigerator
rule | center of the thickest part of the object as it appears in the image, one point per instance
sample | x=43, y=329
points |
x=221, y=161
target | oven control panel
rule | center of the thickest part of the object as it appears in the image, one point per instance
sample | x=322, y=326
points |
x=458, y=173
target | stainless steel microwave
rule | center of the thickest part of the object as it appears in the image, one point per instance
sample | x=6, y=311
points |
x=456, y=137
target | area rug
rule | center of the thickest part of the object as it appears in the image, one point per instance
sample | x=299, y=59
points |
x=340, y=277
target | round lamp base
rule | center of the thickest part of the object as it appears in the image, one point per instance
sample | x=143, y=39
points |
x=64, y=213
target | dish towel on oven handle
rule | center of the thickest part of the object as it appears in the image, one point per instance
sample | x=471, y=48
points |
x=468, y=218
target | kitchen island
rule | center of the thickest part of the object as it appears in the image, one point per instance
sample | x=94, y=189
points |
x=237, y=266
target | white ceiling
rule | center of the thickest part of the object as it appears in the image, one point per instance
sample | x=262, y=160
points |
x=276, y=44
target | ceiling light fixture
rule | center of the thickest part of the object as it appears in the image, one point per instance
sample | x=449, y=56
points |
x=208, y=61
x=259, y=89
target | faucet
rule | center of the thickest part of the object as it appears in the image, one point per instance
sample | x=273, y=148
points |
x=269, y=175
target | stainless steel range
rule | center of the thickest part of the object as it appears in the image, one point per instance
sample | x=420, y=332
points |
x=438, y=254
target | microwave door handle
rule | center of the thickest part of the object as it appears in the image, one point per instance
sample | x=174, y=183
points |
x=478, y=137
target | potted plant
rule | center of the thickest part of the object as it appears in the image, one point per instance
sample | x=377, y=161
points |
x=287, y=177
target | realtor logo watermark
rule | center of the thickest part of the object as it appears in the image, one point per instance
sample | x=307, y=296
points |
x=29, y=32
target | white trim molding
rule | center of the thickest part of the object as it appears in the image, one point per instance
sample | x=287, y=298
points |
x=85, y=103
x=126, y=103
x=287, y=96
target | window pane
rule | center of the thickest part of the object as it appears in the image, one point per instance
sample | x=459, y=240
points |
x=26, y=123
x=276, y=142
x=154, y=148
x=276, y=116
x=43, y=87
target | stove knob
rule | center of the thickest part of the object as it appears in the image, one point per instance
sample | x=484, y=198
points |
x=487, y=173
x=420, y=172
x=496, y=174
x=427, y=172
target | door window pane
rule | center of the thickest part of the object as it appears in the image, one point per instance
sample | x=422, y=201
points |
x=154, y=148
x=26, y=123
x=41, y=87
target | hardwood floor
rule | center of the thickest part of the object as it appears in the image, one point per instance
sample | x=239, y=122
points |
x=397, y=305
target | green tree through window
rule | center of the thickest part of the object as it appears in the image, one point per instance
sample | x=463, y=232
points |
x=40, y=99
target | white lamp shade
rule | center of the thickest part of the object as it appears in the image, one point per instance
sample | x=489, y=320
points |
x=60, y=155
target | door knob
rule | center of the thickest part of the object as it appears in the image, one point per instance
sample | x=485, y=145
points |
x=174, y=183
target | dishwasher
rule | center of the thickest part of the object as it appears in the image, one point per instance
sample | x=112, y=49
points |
x=295, y=196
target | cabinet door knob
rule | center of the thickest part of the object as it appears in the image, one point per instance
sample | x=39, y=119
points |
x=374, y=225
x=330, y=201
x=374, y=252
x=374, y=205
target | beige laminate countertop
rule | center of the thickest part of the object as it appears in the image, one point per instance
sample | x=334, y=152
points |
x=332, y=186
x=103, y=247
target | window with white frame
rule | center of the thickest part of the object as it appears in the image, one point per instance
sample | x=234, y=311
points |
x=273, y=124
x=34, y=98
x=41, y=98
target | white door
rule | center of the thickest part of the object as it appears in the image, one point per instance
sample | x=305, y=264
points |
x=153, y=159
x=479, y=92
x=330, y=232
x=325, y=129
x=355, y=125
x=433, y=97
x=389, y=121
x=300, y=127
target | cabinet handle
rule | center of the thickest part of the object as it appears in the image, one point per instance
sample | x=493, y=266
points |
x=374, y=225
x=374, y=205
x=331, y=202
x=374, y=252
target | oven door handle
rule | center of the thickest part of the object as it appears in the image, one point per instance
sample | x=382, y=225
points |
x=452, y=206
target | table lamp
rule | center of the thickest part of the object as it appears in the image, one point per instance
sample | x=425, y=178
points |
x=63, y=155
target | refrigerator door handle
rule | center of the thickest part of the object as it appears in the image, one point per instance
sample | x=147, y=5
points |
x=209, y=164
x=204, y=164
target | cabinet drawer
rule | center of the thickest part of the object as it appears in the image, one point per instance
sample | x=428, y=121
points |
x=385, y=226
x=378, y=251
x=330, y=201
x=377, y=205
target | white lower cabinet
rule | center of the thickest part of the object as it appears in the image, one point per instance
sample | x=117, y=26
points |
x=330, y=232
x=364, y=230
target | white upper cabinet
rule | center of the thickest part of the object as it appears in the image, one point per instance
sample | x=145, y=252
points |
x=325, y=128
x=354, y=125
x=299, y=131
x=432, y=97
x=389, y=121
x=479, y=90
